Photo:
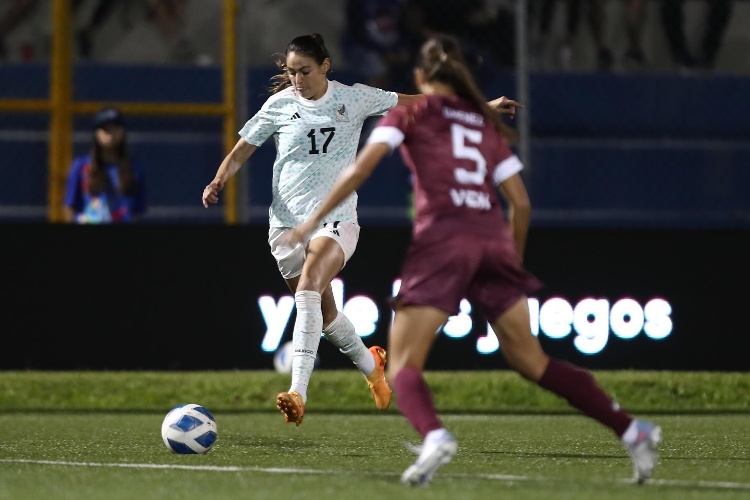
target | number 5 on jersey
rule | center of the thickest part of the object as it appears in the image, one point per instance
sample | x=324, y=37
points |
x=471, y=198
x=460, y=135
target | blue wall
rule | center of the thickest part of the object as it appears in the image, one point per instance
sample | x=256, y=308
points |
x=607, y=149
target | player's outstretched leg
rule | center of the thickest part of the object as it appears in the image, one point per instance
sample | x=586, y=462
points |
x=579, y=387
x=414, y=401
x=371, y=362
x=306, y=339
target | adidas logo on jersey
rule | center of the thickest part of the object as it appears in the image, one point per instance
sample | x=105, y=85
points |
x=295, y=116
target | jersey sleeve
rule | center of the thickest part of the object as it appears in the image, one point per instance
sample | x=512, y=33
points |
x=260, y=127
x=376, y=101
x=507, y=163
x=506, y=169
x=392, y=128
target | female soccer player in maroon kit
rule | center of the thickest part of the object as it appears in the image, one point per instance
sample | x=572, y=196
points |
x=464, y=246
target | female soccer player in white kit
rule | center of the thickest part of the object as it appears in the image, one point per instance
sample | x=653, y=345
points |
x=316, y=125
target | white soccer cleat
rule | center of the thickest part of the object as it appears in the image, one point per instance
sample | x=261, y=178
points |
x=643, y=452
x=433, y=454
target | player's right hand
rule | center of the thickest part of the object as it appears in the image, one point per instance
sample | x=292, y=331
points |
x=211, y=193
x=505, y=106
x=298, y=235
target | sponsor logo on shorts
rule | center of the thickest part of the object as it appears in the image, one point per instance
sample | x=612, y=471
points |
x=333, y=229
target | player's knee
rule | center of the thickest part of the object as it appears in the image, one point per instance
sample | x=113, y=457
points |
x=309, y=283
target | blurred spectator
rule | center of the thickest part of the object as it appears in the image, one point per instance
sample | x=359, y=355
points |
x=19, y=11
x=673, y=22
x=11, y=19
x=376, y=44
x=484, y=31
x=486, y=37
x=85, y=36
x=169, y=15
x=106, y=185
x=545, y=14
x=635, y=56
x=634, y=15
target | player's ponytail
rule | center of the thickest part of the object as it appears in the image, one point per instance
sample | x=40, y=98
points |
x=441, y=61
x=312, y=46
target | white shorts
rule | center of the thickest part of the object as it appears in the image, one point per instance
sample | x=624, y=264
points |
x=291, y=260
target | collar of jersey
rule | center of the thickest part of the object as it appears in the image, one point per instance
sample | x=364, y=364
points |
x=317, y=102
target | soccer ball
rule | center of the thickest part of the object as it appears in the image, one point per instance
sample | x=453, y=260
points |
x=189, y=428
x=282, y=358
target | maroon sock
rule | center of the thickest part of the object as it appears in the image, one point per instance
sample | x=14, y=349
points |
x=581, y=390
x=414, y=400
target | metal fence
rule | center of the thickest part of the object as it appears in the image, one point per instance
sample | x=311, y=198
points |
x=634, y=108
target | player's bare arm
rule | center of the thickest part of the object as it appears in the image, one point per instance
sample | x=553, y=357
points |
x=408, y=99
x=348, y=182
x=230, y=166
x=502, y=105
x=519, y=209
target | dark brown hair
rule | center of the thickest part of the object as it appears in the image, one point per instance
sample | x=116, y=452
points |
x=441, y=61
x=98, y=179
x=311, y=46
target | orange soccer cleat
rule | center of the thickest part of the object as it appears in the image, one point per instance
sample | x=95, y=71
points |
x=291, y=406
x=381, y=391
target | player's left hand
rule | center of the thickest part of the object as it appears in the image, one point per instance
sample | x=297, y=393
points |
x=505, y=106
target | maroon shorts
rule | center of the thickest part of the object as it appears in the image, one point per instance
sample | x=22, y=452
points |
x=487, y=271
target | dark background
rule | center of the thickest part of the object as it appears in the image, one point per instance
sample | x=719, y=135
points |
x=185, y=297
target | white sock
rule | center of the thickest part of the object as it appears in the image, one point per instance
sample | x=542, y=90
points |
x=436, y=436
x=631, y=433
x=340, y=332
x=306, y=339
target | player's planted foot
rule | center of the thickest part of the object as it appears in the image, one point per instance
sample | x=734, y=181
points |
x=643, y=450
x=433, y=454
x=291, y=406
x=381, y=391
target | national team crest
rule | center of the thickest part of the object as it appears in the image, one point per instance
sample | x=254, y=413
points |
x=342, y=115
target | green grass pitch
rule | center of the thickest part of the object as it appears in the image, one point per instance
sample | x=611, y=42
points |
x=97, y=438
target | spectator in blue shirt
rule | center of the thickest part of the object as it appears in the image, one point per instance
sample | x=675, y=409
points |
x=107, y=185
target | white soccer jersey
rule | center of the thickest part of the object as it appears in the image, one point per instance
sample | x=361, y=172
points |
x=315, y=142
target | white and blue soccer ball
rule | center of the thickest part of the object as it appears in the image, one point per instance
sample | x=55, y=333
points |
x=282, y=358
x=188, y=429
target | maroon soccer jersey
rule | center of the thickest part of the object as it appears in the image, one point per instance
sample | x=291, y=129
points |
x=462, y=245
x=454, y=154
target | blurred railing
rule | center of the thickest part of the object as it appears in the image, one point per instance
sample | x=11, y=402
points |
x=63, y=107
x=608, y=141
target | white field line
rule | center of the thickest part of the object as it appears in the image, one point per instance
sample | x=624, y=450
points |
x=278, y=470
